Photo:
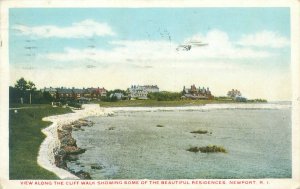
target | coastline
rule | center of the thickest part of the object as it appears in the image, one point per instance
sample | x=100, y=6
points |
x=133, y=134
x=204, y=107
x=46, y=156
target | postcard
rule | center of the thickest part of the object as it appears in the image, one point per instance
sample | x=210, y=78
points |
x=150, y=94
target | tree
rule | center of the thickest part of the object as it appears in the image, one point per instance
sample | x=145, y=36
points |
x=24, y=87
x=31, y=86
x=234, y=93
x=21, y=84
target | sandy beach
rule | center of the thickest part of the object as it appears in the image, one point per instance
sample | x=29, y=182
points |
x=46, y=154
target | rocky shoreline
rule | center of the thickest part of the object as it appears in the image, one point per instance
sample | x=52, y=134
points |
x=54, y=153
x=68, y=149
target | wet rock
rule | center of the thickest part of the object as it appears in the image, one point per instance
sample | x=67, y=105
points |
x=67, y=127
x=74, y=150
x=83, y=175
x=96, y=166
x=68, y=150
x=71, y=142
x=59, y=159
x=71, y=157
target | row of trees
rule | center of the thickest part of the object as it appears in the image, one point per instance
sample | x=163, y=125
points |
x=164, y=96
x=25, y=92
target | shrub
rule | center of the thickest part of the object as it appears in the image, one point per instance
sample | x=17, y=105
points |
x=74, y=104
x=164, y=96
x=200, y=131
x=207, y=149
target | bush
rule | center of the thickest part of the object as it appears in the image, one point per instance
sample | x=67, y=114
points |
x=258, y=100
x=74, y=104
x=200, y=132
x=208, y=149
x=164, y=96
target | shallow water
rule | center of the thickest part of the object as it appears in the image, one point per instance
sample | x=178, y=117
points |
x=129, y=145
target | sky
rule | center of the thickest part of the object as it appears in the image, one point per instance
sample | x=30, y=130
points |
x=247, y=48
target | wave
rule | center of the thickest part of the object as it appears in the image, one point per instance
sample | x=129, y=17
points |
x=264, y=106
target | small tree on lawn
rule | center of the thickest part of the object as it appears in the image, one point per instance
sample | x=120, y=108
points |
x=23, y=87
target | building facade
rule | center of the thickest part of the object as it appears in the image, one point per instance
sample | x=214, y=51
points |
x=141, y=92
x=75, y=93
x=197, y=93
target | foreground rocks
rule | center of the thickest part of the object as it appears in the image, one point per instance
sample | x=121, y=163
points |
x=68, y=148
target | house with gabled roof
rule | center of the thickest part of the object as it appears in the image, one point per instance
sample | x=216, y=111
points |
x=141, y=91
x=196, y=93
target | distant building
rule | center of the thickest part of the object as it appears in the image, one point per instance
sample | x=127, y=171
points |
x=50, y=90
x=141, y=92
x=197, y=93
x=119, y=96
x=240, y=99
x=64, y=93
x=74, y=93
x=96, y=92
x=151, y=88
x=79, y=93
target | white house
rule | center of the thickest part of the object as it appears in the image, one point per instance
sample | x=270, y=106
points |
x=141, y=92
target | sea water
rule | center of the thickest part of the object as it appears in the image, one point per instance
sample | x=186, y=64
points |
x=131, y=145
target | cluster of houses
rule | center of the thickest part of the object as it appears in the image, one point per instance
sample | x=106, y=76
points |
x=134, y=92
x=196, y=93
x=138, y=92
x=74, y=93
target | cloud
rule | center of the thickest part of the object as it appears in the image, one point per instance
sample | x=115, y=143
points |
x=148, y=53
x=85, y=28
x=264, y=39
x=90, y=66
x=221, y=47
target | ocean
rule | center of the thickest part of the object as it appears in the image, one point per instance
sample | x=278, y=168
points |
x=146, y=143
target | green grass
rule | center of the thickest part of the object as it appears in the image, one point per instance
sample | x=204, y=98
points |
x=155, y=103
x=27, y=105
x=25, y=137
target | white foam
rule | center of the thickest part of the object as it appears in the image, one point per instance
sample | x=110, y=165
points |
x=46, y=155
x=206, y=107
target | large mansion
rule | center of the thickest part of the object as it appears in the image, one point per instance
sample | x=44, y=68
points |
x=141, y=92
x=197, y=93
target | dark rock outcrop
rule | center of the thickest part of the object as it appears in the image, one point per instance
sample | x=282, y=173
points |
x=68, y=150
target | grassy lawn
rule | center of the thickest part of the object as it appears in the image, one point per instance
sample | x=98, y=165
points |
x=28, y=105
x=155, y=103
x=25, y=137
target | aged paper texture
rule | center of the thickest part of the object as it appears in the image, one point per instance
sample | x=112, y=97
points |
x=149, y=94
